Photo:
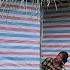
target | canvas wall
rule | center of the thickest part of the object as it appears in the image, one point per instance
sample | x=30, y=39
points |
x=56, y=33
x=19, y=36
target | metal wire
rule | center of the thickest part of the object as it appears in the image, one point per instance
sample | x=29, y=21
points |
x=4, y=7
x=21, y=3
x=55, y=5
x=26, y=7
x=48, y=3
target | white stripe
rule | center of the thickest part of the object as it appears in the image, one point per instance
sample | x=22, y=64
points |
x=16, y=26
x=59, y=48
x=20, y=38
x=19, y=66
x=19, y=50
x=12, y=61
x=15, y=32
x=16, y=55
x=8, y=55
x=67, y=63
x=21, y=43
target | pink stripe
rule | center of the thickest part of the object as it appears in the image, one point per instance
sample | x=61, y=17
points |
x=18, y=53
x=56, y=36
x=47, y=55
x=57, y=16
x=18, y=6
x=18, y=41
x=56, y=46
x=55, y=26
x=68, y=66
x=18, y=29
x=8, y=64
x=19, y=64
x=19, y=18
x=33, y=65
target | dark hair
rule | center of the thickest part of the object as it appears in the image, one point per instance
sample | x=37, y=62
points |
x=65, y=56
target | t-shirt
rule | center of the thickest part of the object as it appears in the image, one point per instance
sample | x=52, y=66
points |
x=49, y=64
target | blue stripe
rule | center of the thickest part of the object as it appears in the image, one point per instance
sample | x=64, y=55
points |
x=20, y=58
x=60, y=10
x=19, y=35
x=20, y=47
x=56, y=41
x=20, y=69
x=20, y=23
x=56, y=31
x=19, y=12
x=67, y=68
x=68, y=60
x=56, y=21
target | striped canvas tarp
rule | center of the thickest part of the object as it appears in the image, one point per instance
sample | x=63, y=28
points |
x=19, y=37
x=56, y=33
